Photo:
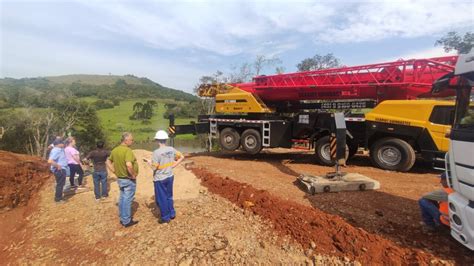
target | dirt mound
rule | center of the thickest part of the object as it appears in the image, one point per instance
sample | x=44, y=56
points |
x=328, y=234
x=21, y=177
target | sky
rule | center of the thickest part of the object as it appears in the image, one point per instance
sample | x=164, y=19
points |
x=174, y=43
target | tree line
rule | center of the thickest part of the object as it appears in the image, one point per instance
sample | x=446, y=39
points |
x=33, y=111
x=31, y=130
x=40, y=92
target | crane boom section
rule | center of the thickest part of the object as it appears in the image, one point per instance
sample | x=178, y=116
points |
x=398, y=80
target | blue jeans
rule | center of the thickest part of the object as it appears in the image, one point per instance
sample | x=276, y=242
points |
x=75, y=168
x=429, y=212
x=60, y=181
x=127, y=193
x=164, y=198
x=100, y=184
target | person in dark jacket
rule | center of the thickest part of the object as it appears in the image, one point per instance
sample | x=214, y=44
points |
x=99, y=158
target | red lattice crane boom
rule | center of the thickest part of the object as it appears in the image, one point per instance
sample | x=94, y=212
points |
x=398, y=80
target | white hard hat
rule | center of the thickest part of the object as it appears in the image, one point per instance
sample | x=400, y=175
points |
x=161, y=134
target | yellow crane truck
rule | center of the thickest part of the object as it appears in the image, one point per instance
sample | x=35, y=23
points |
x=294, y=110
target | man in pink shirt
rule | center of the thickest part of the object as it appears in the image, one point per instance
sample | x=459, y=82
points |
x=74, y=161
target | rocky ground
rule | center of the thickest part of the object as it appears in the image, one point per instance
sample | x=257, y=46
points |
x=232, y=208
x=208, y=230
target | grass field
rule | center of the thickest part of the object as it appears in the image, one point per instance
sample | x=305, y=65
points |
x=116, y=120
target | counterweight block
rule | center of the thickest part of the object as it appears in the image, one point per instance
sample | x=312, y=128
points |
x=331, y=183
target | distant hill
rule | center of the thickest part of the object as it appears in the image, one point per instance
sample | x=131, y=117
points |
x=41, y=91
x=100, y=79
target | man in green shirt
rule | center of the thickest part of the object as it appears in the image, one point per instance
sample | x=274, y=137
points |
x=124, y=165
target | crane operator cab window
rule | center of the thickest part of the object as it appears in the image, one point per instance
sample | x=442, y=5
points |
x=443, y=115
x=464, y=110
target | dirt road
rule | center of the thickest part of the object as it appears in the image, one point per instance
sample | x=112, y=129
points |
x=242, y=209
x=208, y=229
x=391, y=212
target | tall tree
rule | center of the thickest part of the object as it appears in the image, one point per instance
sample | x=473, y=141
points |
x=453, y=41
x=242, y=73
x=152, y=103
x=262, y=61
x=318, y=62
x=137, y=110
x=247, y=70
x=147, y=111
x=31, y=130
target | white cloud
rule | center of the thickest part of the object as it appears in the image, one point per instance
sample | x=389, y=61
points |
x=226, y=28
x=237, y=27
x=384, y=19
x=63, y=58
x=232, y=27
x=430, y=52
x=425, y=53
x=62, y=37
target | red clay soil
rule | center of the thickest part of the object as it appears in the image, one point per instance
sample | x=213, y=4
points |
x=391, y=212
x=21, y=177
x=331, y=234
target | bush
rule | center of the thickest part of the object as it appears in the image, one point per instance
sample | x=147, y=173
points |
x=190, y=110
x=116, y=102
x=146, y=130
x=103, y=104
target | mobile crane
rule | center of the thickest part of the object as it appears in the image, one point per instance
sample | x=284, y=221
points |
x=460, y=158
x=293, y=110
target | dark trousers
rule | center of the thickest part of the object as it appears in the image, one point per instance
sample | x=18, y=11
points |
x=100, y=184
x=164, y=198
x=75, y=168
x=60, y=181
x=429, y=212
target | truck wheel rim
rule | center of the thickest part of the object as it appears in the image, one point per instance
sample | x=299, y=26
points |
x=228, y=139
x=390, y=155
x=326, y=152
x=250, y=142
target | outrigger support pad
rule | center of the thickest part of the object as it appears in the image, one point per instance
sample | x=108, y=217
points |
x=336, y=182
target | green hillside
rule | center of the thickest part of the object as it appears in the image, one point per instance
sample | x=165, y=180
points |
x=116, y=120
x=103, y=103
x=44, y=91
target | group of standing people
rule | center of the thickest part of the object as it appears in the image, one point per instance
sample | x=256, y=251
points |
x=65, y=161
x=122, y=162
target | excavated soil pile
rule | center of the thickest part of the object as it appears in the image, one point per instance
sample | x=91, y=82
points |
x=327, y=234
x=21, y=176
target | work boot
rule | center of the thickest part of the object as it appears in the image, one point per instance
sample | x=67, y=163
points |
x=131, y=223
x=161, y=221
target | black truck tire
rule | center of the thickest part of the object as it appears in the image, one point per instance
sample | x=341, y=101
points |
x=323, y=154
x=393, y=154
x=229, y=139
x=251, y=141
x=353, y=148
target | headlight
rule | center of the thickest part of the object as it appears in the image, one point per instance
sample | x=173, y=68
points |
x=457, y=220
x=452, y=207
